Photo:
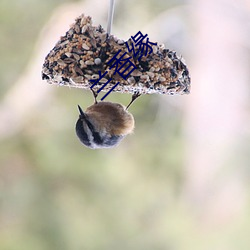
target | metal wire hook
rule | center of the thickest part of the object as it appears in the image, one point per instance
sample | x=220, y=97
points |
x=110, y=15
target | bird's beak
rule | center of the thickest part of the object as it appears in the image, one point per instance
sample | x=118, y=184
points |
x=82, y=115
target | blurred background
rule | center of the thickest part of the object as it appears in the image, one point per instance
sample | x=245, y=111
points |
x=180, y=182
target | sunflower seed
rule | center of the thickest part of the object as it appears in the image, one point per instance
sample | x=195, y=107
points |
x=136, y=73
x=88, y=62
x=85, y=46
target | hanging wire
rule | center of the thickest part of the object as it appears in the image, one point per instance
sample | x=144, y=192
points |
x=110, y=15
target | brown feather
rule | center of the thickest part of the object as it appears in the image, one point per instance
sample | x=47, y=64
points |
x=111, y=117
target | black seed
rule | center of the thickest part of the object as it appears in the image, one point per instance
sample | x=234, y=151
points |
x=176, y=64
x=45, y=77
x=173, y=73
x=137, y=78
x=157, y=84
x=144, y=65
x=185, y=72
x=63, y=56
x=65, y=79
x=171, y=87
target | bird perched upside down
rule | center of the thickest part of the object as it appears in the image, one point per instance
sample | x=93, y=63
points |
x=104, y=125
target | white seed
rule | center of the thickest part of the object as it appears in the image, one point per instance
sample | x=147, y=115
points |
x=155, y=49
x=83, y=21
x=103, y=37
x=120, y=42
x=85, y=46
x=71, y=32
x=87, y=76
x=131, y=80
x=64, y=43
x=95, y=76
x=152, y=69
x=162, y=46
x=162, y=79
x=88, y=62
x=68, y=54
x=61, y=62
x=98, y=61
x=77, y=29
x=84, y=28
x=144, y=77
x=136, y=73
x=103, y=80
x=81, y=62
x=77, y=79
x=150, y=74
x=77, y=57
x=78, y=70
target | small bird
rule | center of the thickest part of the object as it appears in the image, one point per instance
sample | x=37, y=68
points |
x=104, y=125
